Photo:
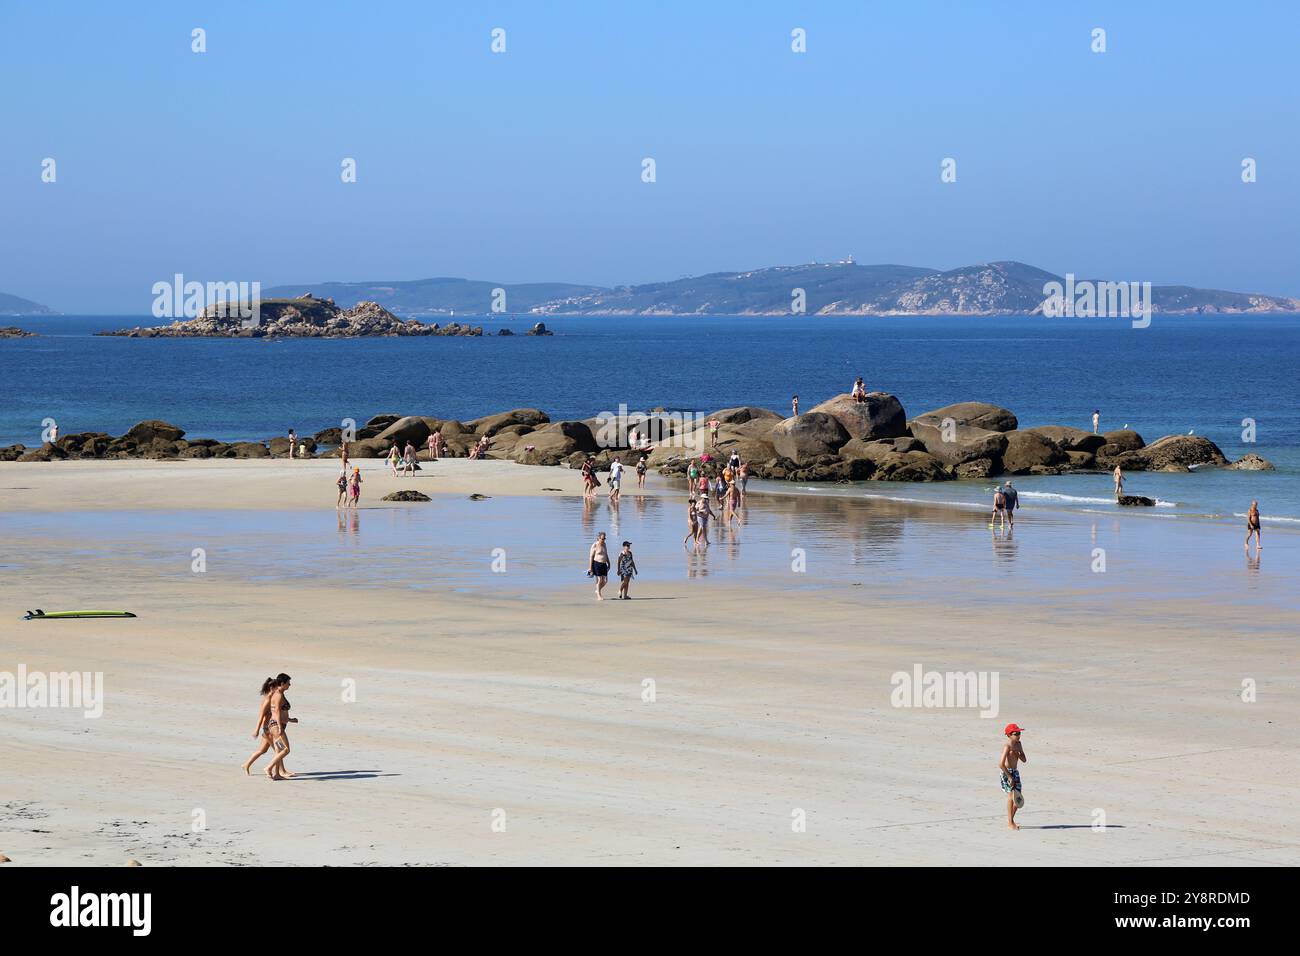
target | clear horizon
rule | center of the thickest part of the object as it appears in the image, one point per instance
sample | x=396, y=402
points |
x=526, y=165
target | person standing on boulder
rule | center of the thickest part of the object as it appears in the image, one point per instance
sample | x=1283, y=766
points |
x=794, y=407
x=713, y=432
x=1012, y=498
x=1096, y=420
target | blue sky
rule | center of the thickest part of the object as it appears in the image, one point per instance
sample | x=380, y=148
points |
x=525, y=166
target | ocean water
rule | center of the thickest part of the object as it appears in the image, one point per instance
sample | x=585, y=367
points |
x=1206, y=374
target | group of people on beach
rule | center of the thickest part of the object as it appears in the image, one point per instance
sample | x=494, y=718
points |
x=402, y=463
x=349, y=487
x=728, y=485
x=590, y=481
x=272, y=730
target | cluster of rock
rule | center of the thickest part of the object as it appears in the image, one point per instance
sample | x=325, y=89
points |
x=839, y=440
x=842, y=439
x=538, y=329
x=13, y=332
x=148, y=439
x=303, y=317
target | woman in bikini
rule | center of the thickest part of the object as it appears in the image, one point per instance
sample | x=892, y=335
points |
x=394, y=456
x=343, y=491
x=278, y=726
x=263, y=717
x=693, y=524
x=640, y=472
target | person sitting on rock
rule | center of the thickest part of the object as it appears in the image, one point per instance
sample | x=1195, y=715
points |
x=859, y=390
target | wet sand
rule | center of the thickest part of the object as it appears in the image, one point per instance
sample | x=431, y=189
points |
x=481, y=691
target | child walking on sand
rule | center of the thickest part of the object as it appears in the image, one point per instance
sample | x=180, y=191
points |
x=1012, y=753
x=626, y=569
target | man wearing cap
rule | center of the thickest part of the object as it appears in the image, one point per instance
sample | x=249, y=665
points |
x=1012, y=753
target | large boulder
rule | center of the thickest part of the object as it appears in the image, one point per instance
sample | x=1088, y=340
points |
x=954, y=443
x=1252, y=462
x=881, y=415
x=146, y=432
x=491, y=424
x=364, y=448
x=807, y=436
x=578, y=432
x=910, y=466
x=1027, y=451
x=875, y=451
x=1124, y=439
x=47, y=452
x=545, y=447
x=992, y=418
x=1186, y=450
x=743, y=414
x=248, y=449
x=1072, y=439
x=412, y=428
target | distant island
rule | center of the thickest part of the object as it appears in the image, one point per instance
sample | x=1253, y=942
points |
x=831, y=288
x=13, y=305
x=305, y=316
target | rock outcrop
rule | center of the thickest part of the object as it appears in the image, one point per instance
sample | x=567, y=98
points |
x=879, y=415
x=303, y=317
x=808, y=436
x=839, y=440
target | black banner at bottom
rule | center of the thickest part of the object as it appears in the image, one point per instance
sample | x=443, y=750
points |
x=339, y=905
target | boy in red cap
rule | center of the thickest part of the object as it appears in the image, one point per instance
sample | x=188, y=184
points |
x=1012, y=753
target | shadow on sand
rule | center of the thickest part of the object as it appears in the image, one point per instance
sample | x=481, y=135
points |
x=341, y=775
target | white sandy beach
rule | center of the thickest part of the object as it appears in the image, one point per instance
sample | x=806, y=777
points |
x=767, y=702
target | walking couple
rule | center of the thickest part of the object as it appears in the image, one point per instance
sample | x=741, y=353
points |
x=273, y=722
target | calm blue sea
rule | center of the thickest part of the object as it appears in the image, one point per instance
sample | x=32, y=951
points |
x=1205, y=374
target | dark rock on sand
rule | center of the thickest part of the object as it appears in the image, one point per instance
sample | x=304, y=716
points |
x=1134, y=501
x=881, y=415
x=47, y=452
x=248, y=449
x=147, y=431
x=807, y=436
x=407, y=495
